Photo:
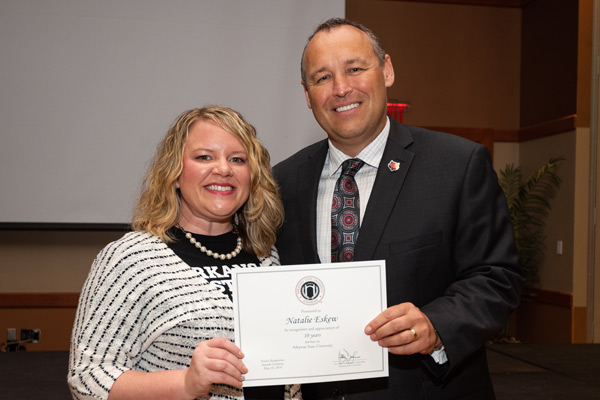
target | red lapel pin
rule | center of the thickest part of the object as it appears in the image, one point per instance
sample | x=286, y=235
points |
x=394, y=165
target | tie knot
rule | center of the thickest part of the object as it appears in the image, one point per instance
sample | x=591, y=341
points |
x=351, y=166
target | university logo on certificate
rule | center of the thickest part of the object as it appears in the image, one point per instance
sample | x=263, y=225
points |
x=305, y=323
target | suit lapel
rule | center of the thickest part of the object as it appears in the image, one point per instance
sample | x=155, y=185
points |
x=309, y=173
x=386, y=190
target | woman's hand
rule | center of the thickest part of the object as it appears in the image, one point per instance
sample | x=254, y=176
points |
x=217, y=360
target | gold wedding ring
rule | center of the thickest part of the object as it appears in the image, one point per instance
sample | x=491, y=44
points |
x=414, y=333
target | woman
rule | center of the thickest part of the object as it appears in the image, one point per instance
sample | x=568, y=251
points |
x=155, y=316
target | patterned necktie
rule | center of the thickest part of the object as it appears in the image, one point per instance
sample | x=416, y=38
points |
x=345, y=212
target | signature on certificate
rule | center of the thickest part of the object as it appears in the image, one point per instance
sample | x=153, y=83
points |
x=344, y=357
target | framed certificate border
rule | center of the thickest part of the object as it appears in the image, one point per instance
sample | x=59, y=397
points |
x=305, y=323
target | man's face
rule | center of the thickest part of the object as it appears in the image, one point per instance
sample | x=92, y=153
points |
x=346, y=87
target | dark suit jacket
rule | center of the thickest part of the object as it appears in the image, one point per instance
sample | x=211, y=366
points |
x=442, y=225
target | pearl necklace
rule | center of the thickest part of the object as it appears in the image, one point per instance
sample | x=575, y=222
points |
x=214, y=254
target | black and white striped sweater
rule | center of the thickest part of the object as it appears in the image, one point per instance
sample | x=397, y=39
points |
x=143, y=308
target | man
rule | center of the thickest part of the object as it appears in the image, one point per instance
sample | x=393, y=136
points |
x=430, y=205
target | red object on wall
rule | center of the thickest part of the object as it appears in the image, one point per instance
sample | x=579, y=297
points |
x=395, y=110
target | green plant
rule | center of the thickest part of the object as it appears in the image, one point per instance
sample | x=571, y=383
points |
x=528, y=206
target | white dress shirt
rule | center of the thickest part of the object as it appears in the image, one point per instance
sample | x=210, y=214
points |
x=365, y=178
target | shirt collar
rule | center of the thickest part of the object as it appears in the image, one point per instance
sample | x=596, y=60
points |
x=371, y=154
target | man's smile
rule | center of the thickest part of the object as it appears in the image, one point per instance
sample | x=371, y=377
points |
x=348, y=107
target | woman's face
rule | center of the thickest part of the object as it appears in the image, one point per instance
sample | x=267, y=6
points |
x=215, y=181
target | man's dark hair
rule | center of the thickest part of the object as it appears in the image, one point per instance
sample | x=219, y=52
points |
x=336, y=23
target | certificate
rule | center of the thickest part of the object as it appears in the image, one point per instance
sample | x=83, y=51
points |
x=305, y=323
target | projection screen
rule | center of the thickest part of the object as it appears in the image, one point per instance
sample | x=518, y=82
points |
x=88, y=88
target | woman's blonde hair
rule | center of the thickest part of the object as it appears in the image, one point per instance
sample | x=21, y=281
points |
x=159, y=206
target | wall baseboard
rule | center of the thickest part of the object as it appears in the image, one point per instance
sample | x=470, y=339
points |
x=545, y=316
x=39, y=300
x=71, y=299
x=549, y=128
x=487, y=136
x=550, y=297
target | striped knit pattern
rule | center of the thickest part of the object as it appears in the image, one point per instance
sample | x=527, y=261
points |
x=143, y=308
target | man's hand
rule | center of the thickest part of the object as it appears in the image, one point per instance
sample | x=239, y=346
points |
x=403, y=329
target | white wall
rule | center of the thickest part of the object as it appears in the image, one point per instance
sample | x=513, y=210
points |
x=88, y=88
